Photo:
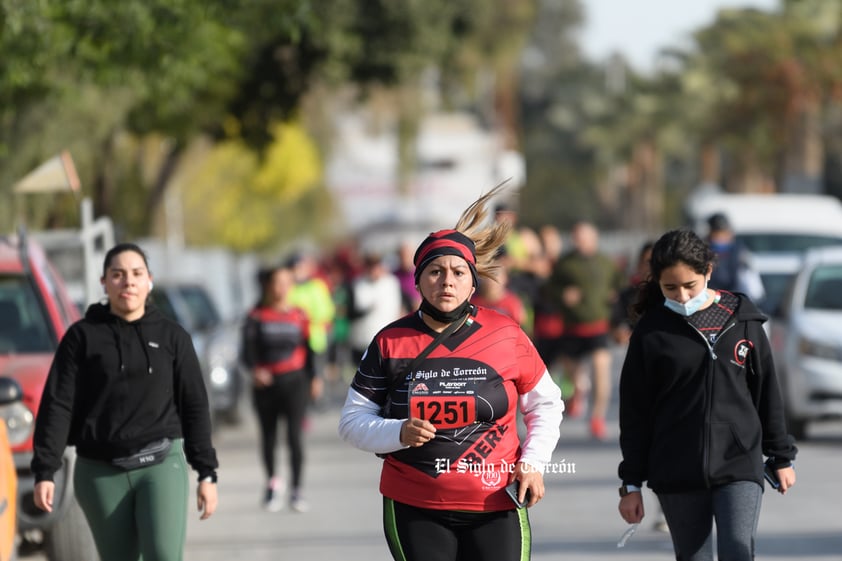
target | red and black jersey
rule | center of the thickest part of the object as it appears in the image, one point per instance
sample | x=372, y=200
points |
x=276, y=340
x=468, y=388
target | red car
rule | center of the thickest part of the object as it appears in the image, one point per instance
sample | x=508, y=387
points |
x=35, y=312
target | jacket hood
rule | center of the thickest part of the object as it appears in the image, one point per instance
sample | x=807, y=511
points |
x=120, y=328
x=748, y=310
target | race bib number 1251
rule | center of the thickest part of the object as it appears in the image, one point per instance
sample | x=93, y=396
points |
x=450, y=411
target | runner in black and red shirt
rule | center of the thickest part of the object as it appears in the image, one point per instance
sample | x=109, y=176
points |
x=277, y=351
x=447, y=424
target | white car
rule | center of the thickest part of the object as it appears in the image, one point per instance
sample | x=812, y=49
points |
x=807, y=340
x=776, y=272
x=772, y=223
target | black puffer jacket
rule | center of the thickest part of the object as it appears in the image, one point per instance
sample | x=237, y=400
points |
x=693, y=416
x=115, y=386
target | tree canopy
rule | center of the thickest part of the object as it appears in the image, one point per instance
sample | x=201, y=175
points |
x=223, y=100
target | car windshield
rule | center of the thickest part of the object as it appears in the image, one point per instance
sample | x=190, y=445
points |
x=785, y=242
x=23, y=326
x=825, y=288
x=774, y=287
x=162, y=302
x=201, y=307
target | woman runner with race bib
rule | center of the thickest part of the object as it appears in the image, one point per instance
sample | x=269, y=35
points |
x=436, y=395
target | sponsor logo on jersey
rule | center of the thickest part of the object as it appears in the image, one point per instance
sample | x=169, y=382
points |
x=421, y=388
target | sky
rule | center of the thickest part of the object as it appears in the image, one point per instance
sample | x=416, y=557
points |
x=638, y=28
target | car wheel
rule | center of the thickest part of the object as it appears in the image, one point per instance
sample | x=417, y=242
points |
x=70, y=537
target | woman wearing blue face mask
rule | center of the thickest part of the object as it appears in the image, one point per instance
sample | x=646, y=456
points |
x=700, y=406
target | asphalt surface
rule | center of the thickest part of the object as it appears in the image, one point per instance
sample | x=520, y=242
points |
x=577, y=519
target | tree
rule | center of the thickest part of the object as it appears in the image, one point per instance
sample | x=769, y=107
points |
x=127, y=66
x=775, y=73
x=235, y=198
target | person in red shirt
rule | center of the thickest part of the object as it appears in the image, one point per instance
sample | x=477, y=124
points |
x=496, y=295
x=277, y=351
x=446, y=423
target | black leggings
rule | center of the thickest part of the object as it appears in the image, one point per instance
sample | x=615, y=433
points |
x=286, y=398
x=421, y=534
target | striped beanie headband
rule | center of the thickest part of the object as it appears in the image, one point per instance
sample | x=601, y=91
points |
x=445, y=242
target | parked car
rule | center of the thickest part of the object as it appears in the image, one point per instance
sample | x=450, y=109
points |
x=217, y=343
x=807, y=340
x=35, y=312
x=772, y=223
x=776, y=271
x=10, y=394
x=775, y=228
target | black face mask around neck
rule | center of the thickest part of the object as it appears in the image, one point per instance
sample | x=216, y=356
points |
x=445, y=317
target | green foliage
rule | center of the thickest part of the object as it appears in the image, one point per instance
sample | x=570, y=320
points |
x=746, y=90
x=561, y=96
x=83, y=71
x=116, y=82
x=288, y=44
x=397, y=40
x=82, y=74
x=758, y=75
x=238, y=200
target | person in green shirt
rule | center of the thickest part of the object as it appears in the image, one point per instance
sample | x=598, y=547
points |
x=312, y=294
x=584, y=285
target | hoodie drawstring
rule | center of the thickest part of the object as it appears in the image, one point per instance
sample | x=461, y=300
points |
x=143, y=343
x=119, y=343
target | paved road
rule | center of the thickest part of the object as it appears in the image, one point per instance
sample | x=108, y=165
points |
x=577, y=520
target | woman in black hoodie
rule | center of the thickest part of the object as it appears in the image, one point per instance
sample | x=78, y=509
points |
x=126, y=390
x=699, y=406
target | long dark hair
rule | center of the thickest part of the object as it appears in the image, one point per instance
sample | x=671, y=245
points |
x=675, y=246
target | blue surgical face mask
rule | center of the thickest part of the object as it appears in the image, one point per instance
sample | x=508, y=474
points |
x=691, y=306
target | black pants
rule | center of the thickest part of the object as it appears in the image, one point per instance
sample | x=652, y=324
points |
x=286, y=399
x=422, y=534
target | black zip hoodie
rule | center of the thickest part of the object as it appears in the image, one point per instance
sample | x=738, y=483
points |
x=116, y=386
x=694, y=416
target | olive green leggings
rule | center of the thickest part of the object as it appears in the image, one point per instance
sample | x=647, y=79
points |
x=138, y=514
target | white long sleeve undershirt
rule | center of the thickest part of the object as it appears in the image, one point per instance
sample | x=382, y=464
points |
x=361, y=425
